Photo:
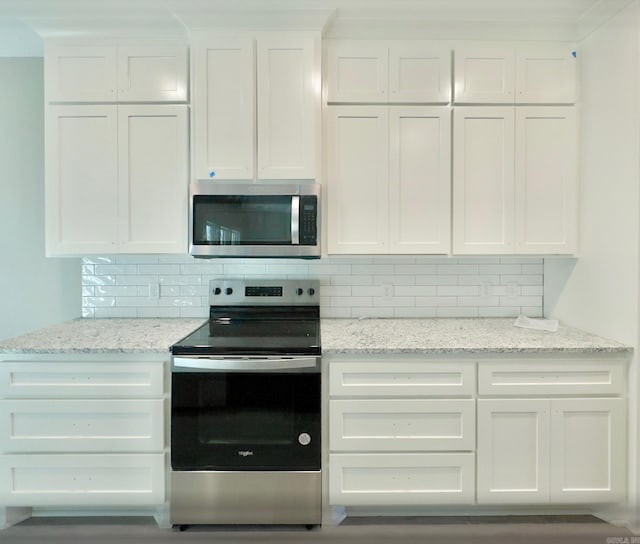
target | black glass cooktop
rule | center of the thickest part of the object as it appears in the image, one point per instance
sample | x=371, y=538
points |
x=261, y=332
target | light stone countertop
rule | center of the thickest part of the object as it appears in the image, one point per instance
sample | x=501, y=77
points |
x=104, y=336
x=468, y=335
x=338, y=336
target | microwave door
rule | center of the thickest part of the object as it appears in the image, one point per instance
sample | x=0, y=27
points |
x=295, y=220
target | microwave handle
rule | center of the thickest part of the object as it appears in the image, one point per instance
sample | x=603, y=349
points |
x=295, y=220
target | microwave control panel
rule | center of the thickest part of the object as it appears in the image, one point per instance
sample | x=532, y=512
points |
x=308, y=220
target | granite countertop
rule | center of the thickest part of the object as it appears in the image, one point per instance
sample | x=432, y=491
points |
x=339, y=336
x=104, y=336
x=483, y=335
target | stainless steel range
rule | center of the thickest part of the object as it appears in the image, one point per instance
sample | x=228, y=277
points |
x=245, y=408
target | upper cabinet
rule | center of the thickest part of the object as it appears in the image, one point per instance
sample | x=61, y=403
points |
x=103, y=74
x=116, y=149
x=525, y=74
x=116, y=179
x=388, y=72
x=388, y=179
x=256, y=106
x=515, y=180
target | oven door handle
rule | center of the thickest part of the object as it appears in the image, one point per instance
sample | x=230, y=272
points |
x=241, y=365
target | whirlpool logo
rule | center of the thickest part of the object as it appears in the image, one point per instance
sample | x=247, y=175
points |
x=245, y=453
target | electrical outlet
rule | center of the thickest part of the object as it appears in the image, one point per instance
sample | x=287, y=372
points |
x=486, y=289
x=513, y=290
x=154, y=290
x=388, y=290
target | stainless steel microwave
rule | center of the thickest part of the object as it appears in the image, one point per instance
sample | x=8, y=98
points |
x=254, y=220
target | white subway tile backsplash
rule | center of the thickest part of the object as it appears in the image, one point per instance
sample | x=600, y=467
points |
x=358, y=286
x=457, y=269
x=457, y=290
x=372, y=312
x=415, y=290
x=456, y=312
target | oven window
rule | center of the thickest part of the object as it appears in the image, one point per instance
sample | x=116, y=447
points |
x=237, y=412
x=245, y=421
x=242, y=220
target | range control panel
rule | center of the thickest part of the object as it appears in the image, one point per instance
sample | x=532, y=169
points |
x=240, y=292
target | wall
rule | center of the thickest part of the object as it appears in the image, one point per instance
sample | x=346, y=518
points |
x=599, y=291
x=119, y=286
x=35, y=291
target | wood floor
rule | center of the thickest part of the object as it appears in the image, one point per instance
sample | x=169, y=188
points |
x=463, y=530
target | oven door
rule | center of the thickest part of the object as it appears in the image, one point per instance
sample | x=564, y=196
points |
x=245, y=414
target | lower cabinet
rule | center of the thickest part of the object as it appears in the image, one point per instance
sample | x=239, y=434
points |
x=404, y=479
x=541, y=451
x=533, y=431
x=82, y=431
x=82, y=480
x=401, y=433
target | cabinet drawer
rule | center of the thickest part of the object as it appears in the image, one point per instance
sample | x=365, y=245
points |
x=81, y=379
x=557, y=377
x=81, y=425
x=86, y=480
x=390, y=378
x=402, y=425
x=401, y=479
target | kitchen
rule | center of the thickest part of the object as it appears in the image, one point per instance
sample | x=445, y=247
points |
x=596, y=292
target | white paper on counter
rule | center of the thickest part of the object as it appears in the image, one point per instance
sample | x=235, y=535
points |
x=550, y=325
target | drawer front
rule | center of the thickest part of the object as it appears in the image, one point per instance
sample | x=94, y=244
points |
x=535, y=377
x=82, y=425
x=81, y=379
x=82, y=480
x=402, y=425
x=379, y=479
x=391, y=378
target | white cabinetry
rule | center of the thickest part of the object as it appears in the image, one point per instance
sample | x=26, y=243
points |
x=524, y=74
x=256, y=106
x=116, y=175
x=388, y=72
x=85, y=73
x=389, y=445
x=548, y=448
x=388, y=179
x=116, y=179
x=82, y=432
x=515, y=180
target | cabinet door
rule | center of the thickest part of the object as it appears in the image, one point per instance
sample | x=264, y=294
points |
x=358, y=209
x=81, y=379
x=484, y=75
x=152, y=74
x=401, y=479
x=288, y=107
x=483, y=180
x=80, y=74
x=153, y=178
x=402, y=424
x=513, y=451
x=419, y=73
x=118, y=480
x=30, y=426
x=419, y=179
x=588, y=450
x=546, y=73
x=81, y=189
x=357, y=72
x=546, y=178
x=224, y=108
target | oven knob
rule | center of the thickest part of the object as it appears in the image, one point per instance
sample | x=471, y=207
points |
x=311, y=291
x=299, y=291
x=304, y=439
x=217, y=291
x=228, y=291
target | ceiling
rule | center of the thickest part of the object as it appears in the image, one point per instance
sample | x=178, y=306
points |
x=30, y=20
